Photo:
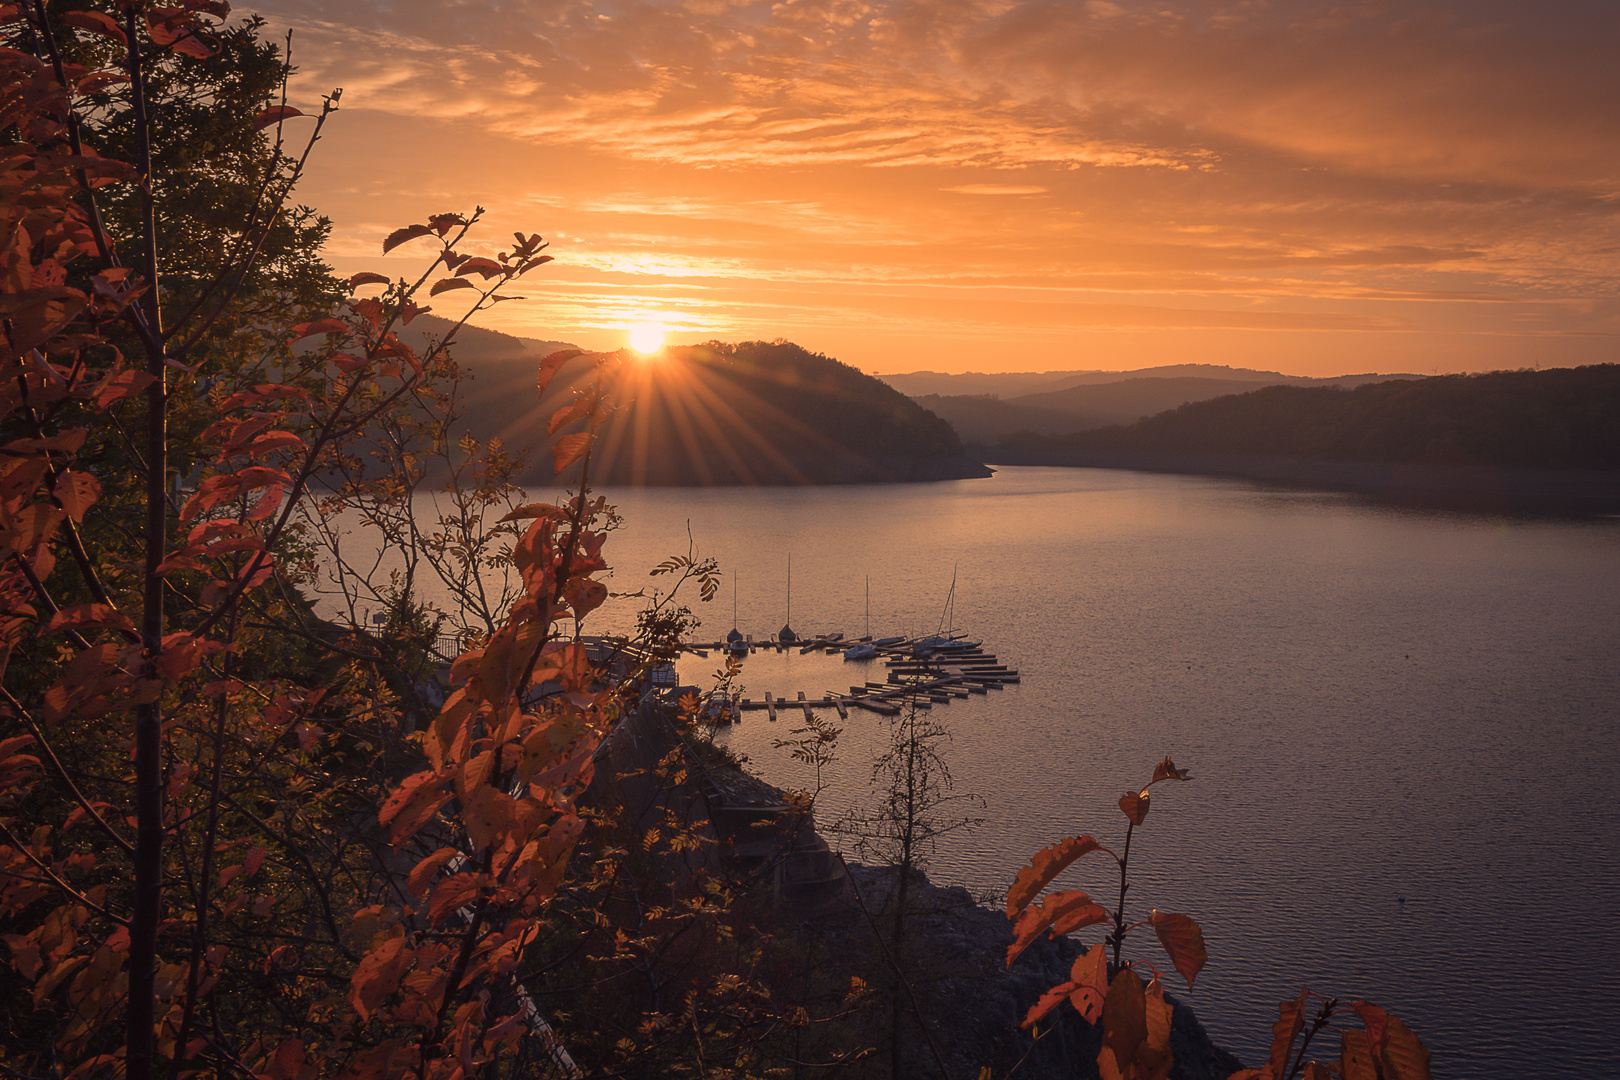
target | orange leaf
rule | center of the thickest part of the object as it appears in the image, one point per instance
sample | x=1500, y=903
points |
x=1154, y=1054
x=452, y=894
x=446, y=284
x=274, y=115
x=1059, y=913
x=77, y=492
x=429, y=866
x=1166, y=770
x=569, y=449
x=1404, y=1056
x=1356, y=1057
x=487, y=814
x=1134, y=805
x=1290, y=1022
x=1089, y=977
x=367, y=278
x=1183, y=940
x=1125, y=1025
x=1049, y=1001
x=1045, y=865
x=400, y=236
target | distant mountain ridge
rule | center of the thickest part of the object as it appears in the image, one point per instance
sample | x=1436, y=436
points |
x=1066, y=402
x=1009, y=385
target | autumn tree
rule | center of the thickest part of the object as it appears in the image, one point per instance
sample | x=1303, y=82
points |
x=192, y=873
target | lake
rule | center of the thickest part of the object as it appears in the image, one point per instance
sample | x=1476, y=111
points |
x=1401, y=725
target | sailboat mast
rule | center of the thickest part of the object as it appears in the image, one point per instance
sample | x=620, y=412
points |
x=790, y=590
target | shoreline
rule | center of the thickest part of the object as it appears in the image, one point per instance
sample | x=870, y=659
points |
x=1428, y=486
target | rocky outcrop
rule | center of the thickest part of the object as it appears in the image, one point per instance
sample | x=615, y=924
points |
x=974, y=1002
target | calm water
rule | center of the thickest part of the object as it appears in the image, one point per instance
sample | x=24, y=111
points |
x=1375, y=704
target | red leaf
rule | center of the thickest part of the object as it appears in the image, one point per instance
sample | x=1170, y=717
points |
x=1046, y=864
x=1183, y=940
x=119, y=386
x=552, y=364
x=319, y=326
x=412, y=804
x=95, y=22
x=1134, y=805
x=569, y=413
x=1059, y=913
x=569, y=449
x=378, y=975
x=80, y=616
x=77, y=492
x=1166, y=770
x=273, y=116
x=485, y=268
x=400, y=236
x=368, y=278
x=446, y=284
x=288, y=1063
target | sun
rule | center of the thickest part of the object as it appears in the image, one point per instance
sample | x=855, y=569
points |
x=647, y=338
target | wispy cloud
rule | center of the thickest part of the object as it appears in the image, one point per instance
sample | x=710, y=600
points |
x=1413, y=169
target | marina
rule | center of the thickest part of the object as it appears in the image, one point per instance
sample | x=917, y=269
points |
x=921, y=672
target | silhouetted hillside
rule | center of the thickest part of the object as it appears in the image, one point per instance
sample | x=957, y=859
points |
x=722, y=414
x=768, y=413
x=1561, y=418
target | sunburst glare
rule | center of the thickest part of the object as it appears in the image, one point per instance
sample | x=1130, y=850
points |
x=647, y=337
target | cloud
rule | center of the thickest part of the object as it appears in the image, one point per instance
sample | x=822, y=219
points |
x=1402, y=165
x=997, y=189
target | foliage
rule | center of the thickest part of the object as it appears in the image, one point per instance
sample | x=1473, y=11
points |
x=1136, y=1018
x=193, y=873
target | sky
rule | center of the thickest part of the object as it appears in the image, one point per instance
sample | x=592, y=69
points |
x=1001, y=185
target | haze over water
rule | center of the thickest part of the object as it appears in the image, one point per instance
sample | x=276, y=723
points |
x=1374, y=704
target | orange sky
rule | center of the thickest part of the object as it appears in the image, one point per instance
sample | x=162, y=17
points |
x=1316, y=188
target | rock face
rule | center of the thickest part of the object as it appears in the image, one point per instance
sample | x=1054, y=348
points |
x=958, y=969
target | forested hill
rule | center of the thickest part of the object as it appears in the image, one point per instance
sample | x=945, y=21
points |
x=724, y=414
x=1561, y=418
x=769, y=413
